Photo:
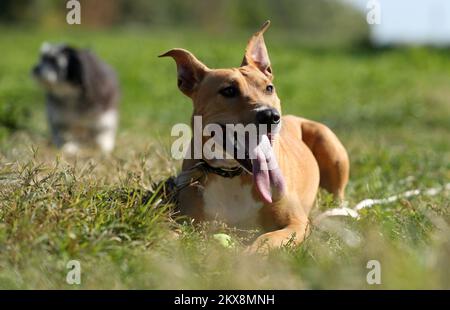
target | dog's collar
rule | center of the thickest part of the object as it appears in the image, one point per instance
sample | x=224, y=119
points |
x=199, y=172
x=223, y=172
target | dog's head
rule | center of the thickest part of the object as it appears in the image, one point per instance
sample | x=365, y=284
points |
x=58, y=69
x=244, y=95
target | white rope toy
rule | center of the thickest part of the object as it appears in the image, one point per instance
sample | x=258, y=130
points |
x=367, y=203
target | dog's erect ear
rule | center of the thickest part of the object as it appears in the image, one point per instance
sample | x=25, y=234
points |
x=256, y=52
x=190, y=70
x=45, y=48
x=75, y=70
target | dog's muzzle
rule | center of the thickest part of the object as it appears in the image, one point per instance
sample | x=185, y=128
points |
x=269, y=116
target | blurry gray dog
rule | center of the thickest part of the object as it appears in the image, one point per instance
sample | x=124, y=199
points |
x=82, y=97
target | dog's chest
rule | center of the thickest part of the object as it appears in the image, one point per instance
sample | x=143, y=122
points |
x=231, y=201
x=67, y=112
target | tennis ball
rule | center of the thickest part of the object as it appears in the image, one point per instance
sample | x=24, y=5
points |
x=224, y=240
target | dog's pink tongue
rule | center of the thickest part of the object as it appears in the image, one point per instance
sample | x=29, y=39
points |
x=266, y=173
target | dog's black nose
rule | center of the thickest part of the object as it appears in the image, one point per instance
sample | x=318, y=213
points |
x=36, y=70
x=268, y=116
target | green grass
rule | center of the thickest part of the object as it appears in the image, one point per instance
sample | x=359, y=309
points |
x=390, y=108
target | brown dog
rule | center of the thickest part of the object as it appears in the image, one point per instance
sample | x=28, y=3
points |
x=240, y=192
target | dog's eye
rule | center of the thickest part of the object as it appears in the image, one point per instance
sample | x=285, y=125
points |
x=229, y=92
x=269, y=89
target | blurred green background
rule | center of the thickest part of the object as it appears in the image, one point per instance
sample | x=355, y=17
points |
x=320, y=18
x=390, y=107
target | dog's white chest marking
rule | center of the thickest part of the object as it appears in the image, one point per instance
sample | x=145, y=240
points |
x=226, y=199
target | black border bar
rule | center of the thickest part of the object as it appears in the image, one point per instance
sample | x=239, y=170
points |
x=76, y=299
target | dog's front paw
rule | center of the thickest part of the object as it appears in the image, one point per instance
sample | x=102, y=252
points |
x=262, y=245
x=274, y=240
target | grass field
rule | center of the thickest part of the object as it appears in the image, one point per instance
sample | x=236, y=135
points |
x=390, y=108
